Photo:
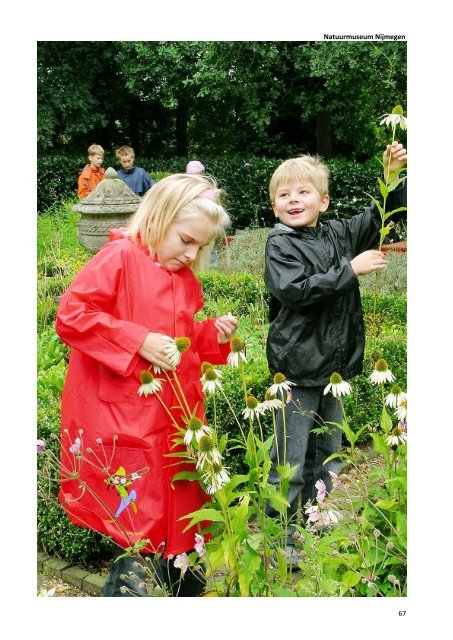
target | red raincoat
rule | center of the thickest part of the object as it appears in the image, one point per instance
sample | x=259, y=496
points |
x=105, y=315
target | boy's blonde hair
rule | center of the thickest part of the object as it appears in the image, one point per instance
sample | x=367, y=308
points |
x=93, y=149
x=304, y=167
x=174, y=198
x=124, y=151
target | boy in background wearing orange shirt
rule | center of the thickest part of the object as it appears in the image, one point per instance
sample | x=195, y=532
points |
x=92, y=174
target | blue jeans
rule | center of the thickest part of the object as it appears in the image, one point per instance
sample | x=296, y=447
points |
x=309, y=408
x=191, y=585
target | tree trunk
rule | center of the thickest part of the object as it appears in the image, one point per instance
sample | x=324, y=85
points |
x=324, y=134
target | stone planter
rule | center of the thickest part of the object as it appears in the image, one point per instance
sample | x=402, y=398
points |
x=110, y=205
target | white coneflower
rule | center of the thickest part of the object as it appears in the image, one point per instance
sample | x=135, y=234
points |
x=252, y=408
x=175, y=348
x=149, y=385
x=271, y=403
x=337, y=386
x=401, y=411
x=397, y=436
x=237, y=346
x=280, y=384
x=395, y=397
x=395, y=118
x=216, y=478
x=381, y=373
x=196, y=428
x=211, y=380
x=207, y=452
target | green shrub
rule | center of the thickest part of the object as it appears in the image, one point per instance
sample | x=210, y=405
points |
x=245, y=181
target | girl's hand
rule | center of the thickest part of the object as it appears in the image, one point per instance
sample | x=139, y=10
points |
x=396, y=154
x=153, y=350
x=226, y=328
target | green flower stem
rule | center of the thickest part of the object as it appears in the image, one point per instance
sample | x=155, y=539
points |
x=274, y=425
x=171, y=416
x=345, y=419
x=182, y=397
x=234, y=415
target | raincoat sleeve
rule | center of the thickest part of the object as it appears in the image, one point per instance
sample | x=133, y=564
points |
x=287, y=280
x=86, y=318
x=363, y=228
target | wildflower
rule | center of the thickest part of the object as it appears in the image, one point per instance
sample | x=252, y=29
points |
x=389, y=545
x=41, y=443
x=237, y=346
x=381, y=373
x=271, y=402
x=395, y=118
x=337, y=481
x=391, y=578
x=321, y=487
x=205, y=366
x=75, y=448
x=395, y=397
x=253, y=407
x=401, y=411
x=181, y=562
x=175, y=348
x=44, y=593
x=337, y=386
x=199, y=545
x=207, y=452
x=216, y=478
x=149, y=385
x=210, y=380
x=376, y=533
x=396, y=437
x=196, y=428
x=247, y=164
x=280, y=385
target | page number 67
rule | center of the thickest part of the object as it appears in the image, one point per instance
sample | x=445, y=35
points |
x=401, y=613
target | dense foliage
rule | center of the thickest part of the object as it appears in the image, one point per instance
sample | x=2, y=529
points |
x=205, y=98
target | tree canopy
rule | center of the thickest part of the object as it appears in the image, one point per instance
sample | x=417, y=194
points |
x=189, y=98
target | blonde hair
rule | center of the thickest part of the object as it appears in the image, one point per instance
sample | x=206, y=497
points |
x=304, y=167
x=93, y=149
x=173, y=198
x=124, y=151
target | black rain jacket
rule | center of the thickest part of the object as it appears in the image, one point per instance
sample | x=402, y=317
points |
x=315, y=312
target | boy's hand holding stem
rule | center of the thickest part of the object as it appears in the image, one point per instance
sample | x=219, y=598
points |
x=394, y=159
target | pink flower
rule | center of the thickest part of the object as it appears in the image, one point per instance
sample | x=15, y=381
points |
x=181, y=562
x=321, y=487
x=199, y=544
x=41, y=443
x=75, y=448
x=337, y=481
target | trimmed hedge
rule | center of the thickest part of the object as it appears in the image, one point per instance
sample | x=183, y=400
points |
x=245, y=181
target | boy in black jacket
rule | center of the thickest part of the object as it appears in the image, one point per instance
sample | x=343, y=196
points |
x=316, y=321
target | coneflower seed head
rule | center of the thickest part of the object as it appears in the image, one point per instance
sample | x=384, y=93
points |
x=146, y=377
x=204, y=366
x=251, y=402
x=237, y=344
x=182, y=344
x=335, y=378
x=396, y=389
x=279, y=378
x=206, y=444
x=194, y=424
x=381, y=365
x=210, y=374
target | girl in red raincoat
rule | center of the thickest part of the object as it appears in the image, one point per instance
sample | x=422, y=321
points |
x=118, y=315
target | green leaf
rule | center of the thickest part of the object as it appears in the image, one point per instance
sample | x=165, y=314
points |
x=185, y=475
x=383, y=188
x=351, y=578
x=386, y=421
x=392, y=185
x=384, y=231
x=201, y=515
x=377, y=203
x=249, y=565
x=215, y=560
x=390, y=213
x=387, y=505
x=379, y=444
x=279, y=502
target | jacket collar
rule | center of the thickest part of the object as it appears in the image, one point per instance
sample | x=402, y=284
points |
x=308, y=232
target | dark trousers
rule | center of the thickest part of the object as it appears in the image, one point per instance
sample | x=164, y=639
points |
x=121, y=584
x=309, y=408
